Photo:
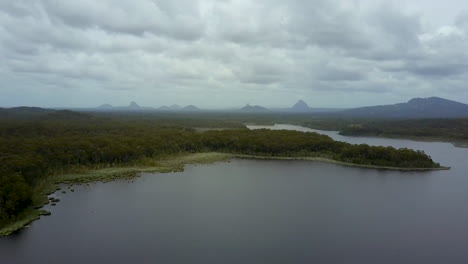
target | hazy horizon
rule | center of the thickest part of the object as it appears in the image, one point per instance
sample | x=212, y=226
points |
x=156, y=107
x=226, y=54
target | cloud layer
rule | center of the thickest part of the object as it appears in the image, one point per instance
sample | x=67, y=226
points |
x=226, y=53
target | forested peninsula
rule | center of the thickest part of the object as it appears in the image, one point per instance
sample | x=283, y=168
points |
x=38, y=154
x=442, y=129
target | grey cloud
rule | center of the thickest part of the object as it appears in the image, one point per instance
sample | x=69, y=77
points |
x=161, y=50
x=330, y=74
x=461, y=20
x=399, y=28
x=432, y=69
x=178, y=20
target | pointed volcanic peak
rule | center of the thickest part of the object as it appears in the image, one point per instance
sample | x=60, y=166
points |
x=300, y=106
x=191, y=108
x=432, y=107
x=254, y=108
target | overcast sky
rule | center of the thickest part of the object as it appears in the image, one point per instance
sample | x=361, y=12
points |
x=215, y=54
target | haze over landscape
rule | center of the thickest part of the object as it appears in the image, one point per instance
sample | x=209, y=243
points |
x=217, y=54
x=233, y=131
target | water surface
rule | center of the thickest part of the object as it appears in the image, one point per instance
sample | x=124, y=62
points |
x=249, y=211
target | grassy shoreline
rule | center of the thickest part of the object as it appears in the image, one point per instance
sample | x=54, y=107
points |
x=455, y=142
x=80, y=176
x=174, y=163
x=348, y=164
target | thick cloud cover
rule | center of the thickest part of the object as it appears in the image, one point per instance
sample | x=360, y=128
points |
x=223, y=53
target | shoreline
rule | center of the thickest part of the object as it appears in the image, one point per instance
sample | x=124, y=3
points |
x=166, y=164
x=50, y=185
x=336, y=162
x=456, y=143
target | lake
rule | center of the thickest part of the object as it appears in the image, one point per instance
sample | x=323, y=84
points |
x=247, y=211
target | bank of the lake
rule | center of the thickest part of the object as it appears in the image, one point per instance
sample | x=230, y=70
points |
x=460, y=143
x=165, y=164
x=332, y=214
x=455, y=142
x=78, y=176
x=327, y=160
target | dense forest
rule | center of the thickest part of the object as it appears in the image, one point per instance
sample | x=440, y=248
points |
x=447, y=129
x=32, y=149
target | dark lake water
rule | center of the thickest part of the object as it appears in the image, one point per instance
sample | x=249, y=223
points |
x=247, y=211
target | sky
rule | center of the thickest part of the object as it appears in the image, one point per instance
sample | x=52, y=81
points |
x=227, y=53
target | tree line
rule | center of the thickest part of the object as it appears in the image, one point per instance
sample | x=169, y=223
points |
x=451, y=129
x=32, y=150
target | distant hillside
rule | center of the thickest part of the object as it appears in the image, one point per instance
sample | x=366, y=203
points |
x=67, y=115
x=254, y=108
x=164, y=108
x=37, y=112
x=134, y=105
x=300, y=106
x=105, y=106
x=432, y=107
x=175, y=107
x=191, y=108
x=24, y=112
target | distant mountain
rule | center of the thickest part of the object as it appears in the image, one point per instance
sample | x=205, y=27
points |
x=432, y=107
x=254, y=108
x=191, y=108
x=24, y=111
x=134, y=105
x=39, y=113
x=300, y=106
x=164, y=108
x=175, y=107
x=105, y=106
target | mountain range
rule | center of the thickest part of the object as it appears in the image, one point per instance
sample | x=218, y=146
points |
x=417, y=108
x=133, y=106
x=432, y=107
x=254, y=108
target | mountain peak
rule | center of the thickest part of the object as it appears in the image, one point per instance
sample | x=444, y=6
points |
x=431, y=107
x=191, y=108
x=254, y=108
x=133, y=105
x=300, y=106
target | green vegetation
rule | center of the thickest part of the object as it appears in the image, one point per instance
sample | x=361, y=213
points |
x=49, y=184
x=38, y=154
x=452, y=130
x=327, y=160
